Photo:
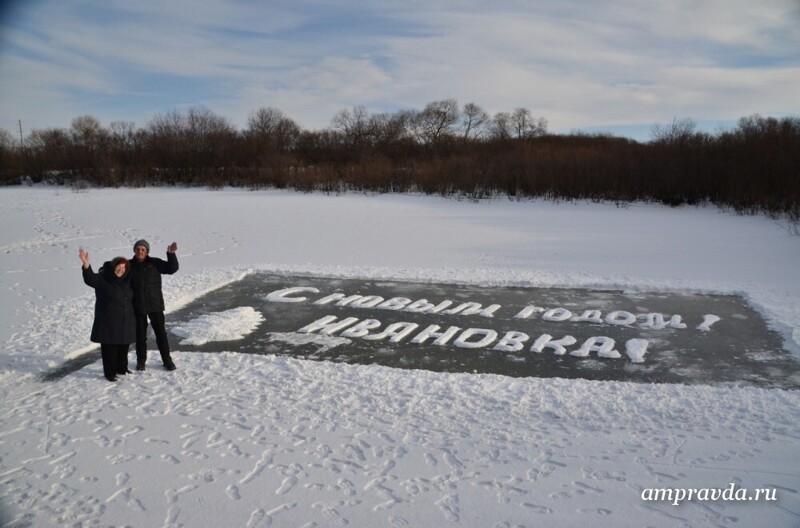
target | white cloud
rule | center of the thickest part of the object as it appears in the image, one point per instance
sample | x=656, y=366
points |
x=577, y=63
x=348, y=79
x=27, y=93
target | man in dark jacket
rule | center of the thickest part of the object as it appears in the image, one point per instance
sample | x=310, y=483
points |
x=148, y=299
x=114, y=324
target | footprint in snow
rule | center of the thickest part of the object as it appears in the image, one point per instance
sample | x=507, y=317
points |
x=233, y=492
x=287, y=485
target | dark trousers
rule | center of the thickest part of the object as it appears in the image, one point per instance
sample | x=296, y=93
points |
x=115, y=359
x=157, y=322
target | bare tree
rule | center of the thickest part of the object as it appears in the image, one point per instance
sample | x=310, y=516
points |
x=502, y=127
x=756, y=124
x=165, y=127
x=203, y=125
x=271, y=130
x=359, y=128
x=123, y=135
x=264, y=121
x=7, y=155
x=473, y=121
x=520, y=121
x=87, y=133
x=50, y=150
x=49, y=138
x=540, y=126
x=199, y=139
x=525, y=125
x=387, y=128
x=10, y=158
x=679, y=131
x=435, y=122
x=519, y=124
x=6, y=140
x=356, y=125
x=209, y=138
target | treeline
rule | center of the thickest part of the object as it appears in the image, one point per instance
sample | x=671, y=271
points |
x=442, y=149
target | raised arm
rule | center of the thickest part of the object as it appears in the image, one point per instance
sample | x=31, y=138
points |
x=89, y=277
x=171, y=265
x=84, y=256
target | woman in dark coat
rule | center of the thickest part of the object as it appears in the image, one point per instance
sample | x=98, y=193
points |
x=114, y=317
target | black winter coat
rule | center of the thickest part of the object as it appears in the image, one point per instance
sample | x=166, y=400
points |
x=114, y=317
x=146, y=282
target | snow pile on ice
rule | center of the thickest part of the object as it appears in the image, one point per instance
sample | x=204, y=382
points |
x=229, y=325
x=323, y=342
x=636, y=349
x=709, y=320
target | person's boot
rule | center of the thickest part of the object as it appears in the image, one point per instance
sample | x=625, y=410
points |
x=166, y=357
x=141, y=359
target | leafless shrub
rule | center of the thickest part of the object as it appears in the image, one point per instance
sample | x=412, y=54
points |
x=444, y=150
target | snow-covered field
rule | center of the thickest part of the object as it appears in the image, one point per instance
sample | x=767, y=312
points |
x=241, y=440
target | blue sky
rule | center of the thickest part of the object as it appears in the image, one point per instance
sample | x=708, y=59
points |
x=619, y=65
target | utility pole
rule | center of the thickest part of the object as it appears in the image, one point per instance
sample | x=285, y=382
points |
x=21, y=143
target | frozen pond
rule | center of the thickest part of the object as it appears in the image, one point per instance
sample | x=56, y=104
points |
x=542, y=332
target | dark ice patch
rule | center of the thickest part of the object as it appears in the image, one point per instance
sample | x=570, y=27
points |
x=738, y=349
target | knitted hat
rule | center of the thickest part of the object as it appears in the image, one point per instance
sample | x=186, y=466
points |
x=144, y=243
